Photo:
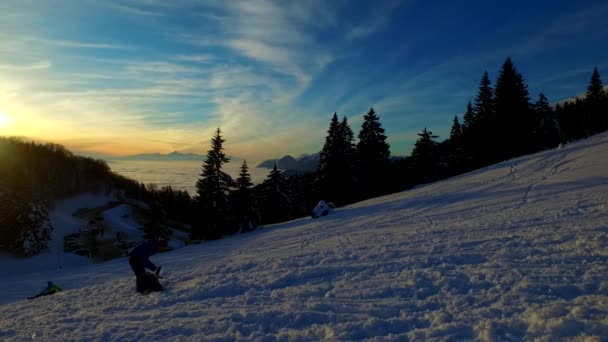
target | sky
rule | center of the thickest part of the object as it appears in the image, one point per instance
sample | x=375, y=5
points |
x=142, y=76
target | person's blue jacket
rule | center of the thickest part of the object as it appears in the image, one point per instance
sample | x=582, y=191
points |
x=143, y=251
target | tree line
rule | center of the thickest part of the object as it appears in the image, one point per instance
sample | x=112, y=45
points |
x=34, y=176
x=501, y=123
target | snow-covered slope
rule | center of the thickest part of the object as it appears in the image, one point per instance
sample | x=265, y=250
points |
x=515, y=251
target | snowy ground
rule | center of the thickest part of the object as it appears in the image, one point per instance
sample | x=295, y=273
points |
x=516, y=251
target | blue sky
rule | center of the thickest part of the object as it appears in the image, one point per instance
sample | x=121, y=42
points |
x=138, y=76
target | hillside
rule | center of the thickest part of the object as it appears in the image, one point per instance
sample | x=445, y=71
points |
x=518, y=250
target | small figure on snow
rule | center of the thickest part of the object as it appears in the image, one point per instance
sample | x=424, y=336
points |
x=139, y=260
x=50, y=289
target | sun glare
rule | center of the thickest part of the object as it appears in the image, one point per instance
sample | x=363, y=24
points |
x=5, y=120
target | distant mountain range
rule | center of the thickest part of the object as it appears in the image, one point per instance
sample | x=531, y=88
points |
x=577, y=97
x=303, y=164
x=173, y=156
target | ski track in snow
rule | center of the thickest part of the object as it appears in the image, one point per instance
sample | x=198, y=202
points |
x=515, y=251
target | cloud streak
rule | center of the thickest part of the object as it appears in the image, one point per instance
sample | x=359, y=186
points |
x=41, y=65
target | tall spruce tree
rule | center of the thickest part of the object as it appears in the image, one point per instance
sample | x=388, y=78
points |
x=275, y=204
x=469, y=118
x=514, y=116
x=595, y=89
x=570, y=119
x=212, y=188
x=456, y=157
x=243, y=202
x=347, y=180
x=483, y=136
x=547, y=131
x=373, y=153
x=456, y=131
x=484, y=101
x=471, y=138
x=424, y=157
x=336, y=163
x=596, y=113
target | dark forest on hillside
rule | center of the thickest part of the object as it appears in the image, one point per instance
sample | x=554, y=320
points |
x=502, y=122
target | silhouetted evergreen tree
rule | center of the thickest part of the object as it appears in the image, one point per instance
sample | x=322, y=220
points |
x=245, y=209
x=514, y=115
x=424, y=157
x=373, y=153
x=302, y=194
x=456, y=157
x=155, y=226
x=570, y=119
x=456, y=131
x=596, y=113
x=470, y=119
x=484, y=101
x=471, y=139
x=274, y=199
x=336, y=163
x=483, y=136
x=212, y=189
x=547, y=132
x=595, y=89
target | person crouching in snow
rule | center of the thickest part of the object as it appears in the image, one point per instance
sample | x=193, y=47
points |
x=139, y=260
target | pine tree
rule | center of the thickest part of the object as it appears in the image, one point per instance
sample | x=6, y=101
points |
x=155, y=227
x=547, y=131
x=245, y=211
x=212, y=193
x=336, y=163
x=471, y=139
x=456, y=157
x=514, y=116
x=596, y=111
x=570, y=119
x=595, y=89
x=456, y=131
x=275, y=204
x=347, y=180
x=373, y=153
x=470, y=118
x=485, y=115
x=484, y=102
x=424, y=157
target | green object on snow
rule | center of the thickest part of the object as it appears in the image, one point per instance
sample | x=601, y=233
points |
x=50, y=289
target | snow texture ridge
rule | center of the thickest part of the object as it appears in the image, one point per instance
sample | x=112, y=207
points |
x=515, y=251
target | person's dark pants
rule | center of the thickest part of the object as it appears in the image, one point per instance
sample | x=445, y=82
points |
x=140, y=274
x=143, y=282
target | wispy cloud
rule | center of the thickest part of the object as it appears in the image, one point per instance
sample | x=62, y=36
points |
x=272, y=34
x=159, y=67
x=130, y=9
x=27, y=41
x=196, y=58
x=83, y=45
x=376, y=21
x=588, y=22
x=40, y=65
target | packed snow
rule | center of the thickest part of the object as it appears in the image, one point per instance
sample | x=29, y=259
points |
x=515, y=251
